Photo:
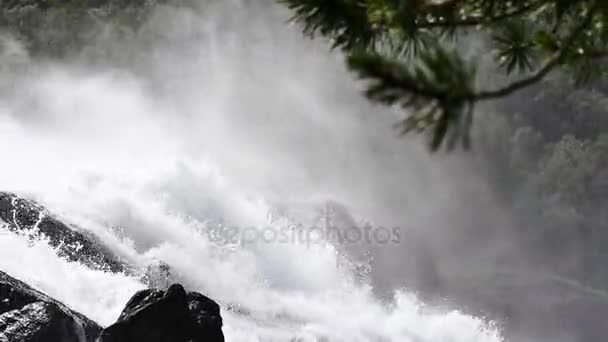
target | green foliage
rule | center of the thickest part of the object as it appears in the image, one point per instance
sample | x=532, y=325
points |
x=566, y=169
x=437, y=93
x=515, y=46
x=530, y=37
x=346, y=22
x=574, y=171
x=549, y=163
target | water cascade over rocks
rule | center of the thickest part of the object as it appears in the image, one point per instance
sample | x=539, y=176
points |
x=27, y=315
x=125, y=143
x=161, y=313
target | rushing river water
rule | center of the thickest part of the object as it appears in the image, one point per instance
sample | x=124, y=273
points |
x=219, y=114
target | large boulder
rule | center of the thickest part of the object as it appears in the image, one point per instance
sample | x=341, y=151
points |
x=167, y=316
x=27, y=315
x=21, y=215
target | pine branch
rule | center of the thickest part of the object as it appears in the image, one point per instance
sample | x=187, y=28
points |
x=436, y=90
x=437, y=87
x=547, y=67
x=345, y=21
x=479, y=20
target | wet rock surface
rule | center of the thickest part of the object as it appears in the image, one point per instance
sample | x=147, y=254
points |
x=27, y=315
x=167, y=316
x=21, y=215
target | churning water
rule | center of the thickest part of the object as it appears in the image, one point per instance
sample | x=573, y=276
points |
x=216, y=113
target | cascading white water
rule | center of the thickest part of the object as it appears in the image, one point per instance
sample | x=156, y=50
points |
x=204, y=119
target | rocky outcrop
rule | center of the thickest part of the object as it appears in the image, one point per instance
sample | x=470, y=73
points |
x=27, y=315
x=167, y=316
x=21, y=215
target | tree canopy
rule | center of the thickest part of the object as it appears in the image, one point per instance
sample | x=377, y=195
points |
x=413, y=53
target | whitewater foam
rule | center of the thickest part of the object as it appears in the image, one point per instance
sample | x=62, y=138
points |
x=145, y=156
x=269, y=291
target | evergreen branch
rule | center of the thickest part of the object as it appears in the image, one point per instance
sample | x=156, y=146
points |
x=436, y=90
x=345, y=21
x=478, y=20
x=437, y=87
x=394, y=82
x=547, y=67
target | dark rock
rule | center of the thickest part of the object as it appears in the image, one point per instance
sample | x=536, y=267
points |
x=23, y=215
x=167, y=316
x=27, y=315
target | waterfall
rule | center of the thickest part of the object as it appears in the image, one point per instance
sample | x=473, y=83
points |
x=220, y=115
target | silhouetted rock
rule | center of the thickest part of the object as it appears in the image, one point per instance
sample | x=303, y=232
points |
x=27, y=315
x=23, y=215
x=167, y=316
